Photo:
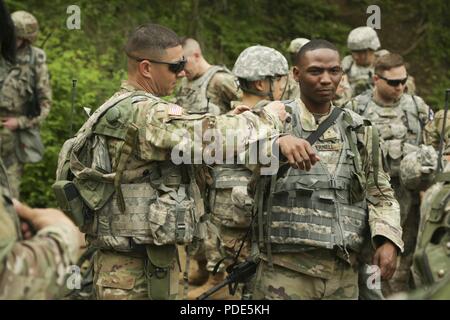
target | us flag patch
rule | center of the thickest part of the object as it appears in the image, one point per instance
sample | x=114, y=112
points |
x=175, y=110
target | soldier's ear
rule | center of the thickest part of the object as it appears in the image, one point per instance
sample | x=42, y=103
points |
x=260, y=85
x=145, y=68
x=375, y=78
x=296, y=73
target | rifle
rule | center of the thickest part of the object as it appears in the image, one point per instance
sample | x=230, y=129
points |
x=441, y=142
x=238, y=273
x=74, y=97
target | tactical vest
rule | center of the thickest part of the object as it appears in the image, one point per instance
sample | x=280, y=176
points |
x=16, y=83
x=315, y=208
x=397, y=125
x=359, y=78
x=229, y=200
x=432, y=255
x=116, y=212
x=193, y=97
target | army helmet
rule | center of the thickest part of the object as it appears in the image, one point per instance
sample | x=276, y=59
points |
x=363, y=38
x=259, y=62
x=297, y=44
x=26, y=25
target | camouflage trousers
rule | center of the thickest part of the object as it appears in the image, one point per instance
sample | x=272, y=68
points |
x=280, y=283
x=223, y=243
x=410, y=219
x=119, y=276
x=14, y=168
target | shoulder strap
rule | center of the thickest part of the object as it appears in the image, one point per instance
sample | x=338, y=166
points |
x=313, y=137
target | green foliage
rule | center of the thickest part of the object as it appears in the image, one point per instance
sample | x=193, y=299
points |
x=93, y=55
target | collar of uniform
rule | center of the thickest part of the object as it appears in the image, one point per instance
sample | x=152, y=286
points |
x=307, y=120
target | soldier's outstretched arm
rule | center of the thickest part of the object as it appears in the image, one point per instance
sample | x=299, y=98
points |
x=36, y=268
x=168, y=127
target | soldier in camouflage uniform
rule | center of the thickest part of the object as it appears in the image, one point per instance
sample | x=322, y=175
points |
x=206, y=88
x=363, y=42
x=433, y=130
x=35, y=267
x=23, y=85
x=262, y=73
x=132, y=198
x=400, y=118
x=311, y=225
x=292, y=90
x=431, y=265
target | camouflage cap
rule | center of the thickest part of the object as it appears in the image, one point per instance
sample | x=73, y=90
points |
x=362, y=38
x=297, y=44
x=26, y=24
x=259, y=62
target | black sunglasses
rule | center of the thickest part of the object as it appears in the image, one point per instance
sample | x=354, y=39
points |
x=175, y=67
x=394, y=82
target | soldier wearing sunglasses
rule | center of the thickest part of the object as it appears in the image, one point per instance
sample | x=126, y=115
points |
x=400, y=118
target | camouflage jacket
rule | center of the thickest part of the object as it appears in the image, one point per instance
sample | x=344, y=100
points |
x=433, y=130
x=34, y=268
x=165, y=136
x=400, y=125
x=221, y=89
x=17, y=83
x=383, y=211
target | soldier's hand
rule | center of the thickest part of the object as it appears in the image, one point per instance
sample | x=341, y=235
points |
x=10, y=123
x=278, y=108
x=385, y=258
x=240, y=109
x=41, y=218
x=298, y=152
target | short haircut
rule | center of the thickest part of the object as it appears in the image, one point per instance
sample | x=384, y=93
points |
x=314, y=45
x=190, y=46
x=151, y=39
x=387, y=62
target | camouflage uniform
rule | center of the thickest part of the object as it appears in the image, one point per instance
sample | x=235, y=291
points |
x=308, y=261
x=17, y=84
x=212, y=92
x=229, y=202
x=431, y=266
x=34, y=268
x=400, y=127
x=360, y=77
x=432, y=131
x=136, y=222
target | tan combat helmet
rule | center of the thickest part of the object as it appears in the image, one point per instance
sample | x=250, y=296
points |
x=297, y=44
x=26, y=25
x=363, y=38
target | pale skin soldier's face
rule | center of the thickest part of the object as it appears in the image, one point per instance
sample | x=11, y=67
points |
x=364, y=58
x=164, y=79
x=384, y=89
